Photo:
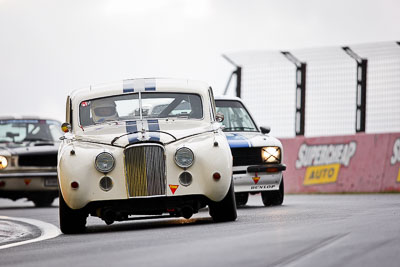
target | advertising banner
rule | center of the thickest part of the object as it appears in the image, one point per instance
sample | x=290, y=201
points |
x=354, y=163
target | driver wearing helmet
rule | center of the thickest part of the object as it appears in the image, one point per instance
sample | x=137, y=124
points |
x=104, y=110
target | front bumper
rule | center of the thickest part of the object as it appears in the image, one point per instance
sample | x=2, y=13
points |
x=257, y=178
x=28, y=181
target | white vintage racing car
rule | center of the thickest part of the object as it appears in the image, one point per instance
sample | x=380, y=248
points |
x=143, y=147
x=257, y=157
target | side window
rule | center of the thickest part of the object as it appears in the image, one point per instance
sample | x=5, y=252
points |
x=212, y=104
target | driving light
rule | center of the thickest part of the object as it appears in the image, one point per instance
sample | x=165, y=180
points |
x=3, y=162
x=104, y=162
x=271, y=154
x=184, y=157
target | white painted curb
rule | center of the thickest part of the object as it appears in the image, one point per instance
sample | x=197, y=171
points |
x=47, y=230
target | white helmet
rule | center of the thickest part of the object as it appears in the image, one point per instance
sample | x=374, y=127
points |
x=103, y=110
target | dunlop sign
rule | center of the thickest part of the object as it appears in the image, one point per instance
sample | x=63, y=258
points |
x=323, y=161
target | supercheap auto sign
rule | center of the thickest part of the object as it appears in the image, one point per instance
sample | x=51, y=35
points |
x=354, y=163
x=323, y=161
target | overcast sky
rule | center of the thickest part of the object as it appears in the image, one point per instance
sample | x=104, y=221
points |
x=50, y=47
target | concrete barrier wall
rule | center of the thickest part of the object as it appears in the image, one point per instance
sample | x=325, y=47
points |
x=354, y=163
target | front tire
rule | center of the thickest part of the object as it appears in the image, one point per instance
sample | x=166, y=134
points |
x=241, y=198
x=273, y=198
x=71, y=221
x=225, y=210
x=43, y=201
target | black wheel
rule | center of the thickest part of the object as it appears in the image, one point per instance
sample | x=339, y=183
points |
x=44, y=201
x=225, y=210
x=273, y=198
x=241, y=198
x=71, y=221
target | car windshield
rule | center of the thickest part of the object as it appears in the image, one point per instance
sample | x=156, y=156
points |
x=153, y=106
x=236, y=117
x=18, y=131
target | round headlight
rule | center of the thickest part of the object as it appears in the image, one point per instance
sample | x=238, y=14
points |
x=184, y=157
x=104, y=162
x=3, y=162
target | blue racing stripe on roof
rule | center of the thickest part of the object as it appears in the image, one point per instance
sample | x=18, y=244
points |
x=237, y=140
x=150, y=84
x=128, y=86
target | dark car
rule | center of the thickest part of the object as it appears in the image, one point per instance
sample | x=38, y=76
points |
x=28, y=159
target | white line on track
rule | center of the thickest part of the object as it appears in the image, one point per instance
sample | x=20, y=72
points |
x=47, y=231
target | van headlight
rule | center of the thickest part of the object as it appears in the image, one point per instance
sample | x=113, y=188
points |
x=184, y=157
x=3, y=162
x=271, y=154
x=104, y=162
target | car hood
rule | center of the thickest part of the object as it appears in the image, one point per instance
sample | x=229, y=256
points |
x=131, y=132
x=250, y=139
x=29, y=148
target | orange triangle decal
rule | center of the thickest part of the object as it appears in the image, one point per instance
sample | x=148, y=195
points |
x=256, y=179
x=173, y=188
x=27, y=181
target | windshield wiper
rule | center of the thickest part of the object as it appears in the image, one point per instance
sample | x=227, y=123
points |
x=238, y=128
x=36, y=139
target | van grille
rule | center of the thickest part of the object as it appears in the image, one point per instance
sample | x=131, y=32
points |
x=145, y=170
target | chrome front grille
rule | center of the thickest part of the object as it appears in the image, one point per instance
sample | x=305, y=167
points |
x=145, y=170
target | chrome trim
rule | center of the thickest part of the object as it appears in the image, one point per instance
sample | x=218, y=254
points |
x=145, y=170
x=28, y=174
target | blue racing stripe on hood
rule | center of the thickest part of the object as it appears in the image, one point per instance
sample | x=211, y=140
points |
x=154, y=126
x=131, y=126
x=237, y=140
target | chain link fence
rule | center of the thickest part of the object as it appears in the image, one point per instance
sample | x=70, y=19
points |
x=268, y=87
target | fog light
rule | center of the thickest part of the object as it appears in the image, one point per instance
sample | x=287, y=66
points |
x=272, y=170
x=106, y=183
x=216, y=176
x=75, y=185
x=185, y=178
x=2, y=183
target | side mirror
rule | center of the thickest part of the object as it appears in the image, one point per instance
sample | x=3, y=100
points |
x=219, y=117
x=66, y=127
x=265, y=130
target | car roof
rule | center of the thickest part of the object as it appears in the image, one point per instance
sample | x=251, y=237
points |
x=226, y=97
x=141, y=84
x=25, y=117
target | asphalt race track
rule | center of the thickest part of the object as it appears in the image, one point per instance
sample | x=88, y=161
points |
x=308, y=230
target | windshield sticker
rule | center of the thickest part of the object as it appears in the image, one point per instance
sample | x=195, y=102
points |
x=85, y=103
x=323, y=161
